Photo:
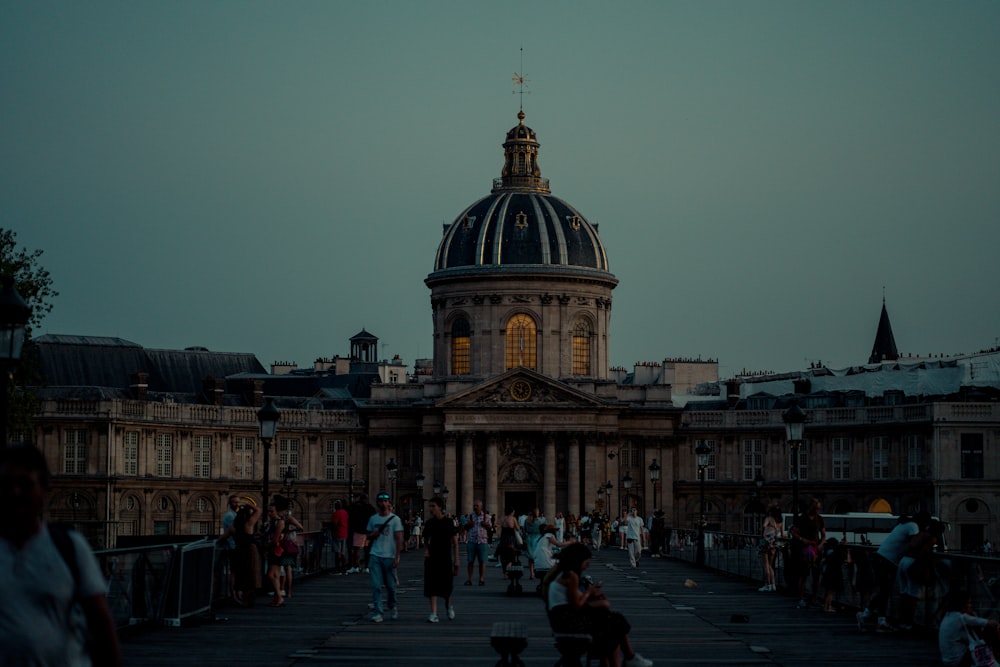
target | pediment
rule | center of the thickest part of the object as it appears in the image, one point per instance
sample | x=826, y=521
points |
x=521, y=388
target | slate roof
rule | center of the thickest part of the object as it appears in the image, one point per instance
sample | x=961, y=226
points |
x=94, y=361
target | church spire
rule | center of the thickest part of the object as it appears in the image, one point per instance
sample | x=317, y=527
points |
x=885, y=344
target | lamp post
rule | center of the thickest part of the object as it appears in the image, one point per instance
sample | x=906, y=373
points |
x=444, y=494
x=391, y=471
x=702, y=451
x=288, y=489
x=14, y=316
x=795, y=422
x=437, y=487
x=350, y=482
x=654, y=477
x=626, y=486
x=268, y=416
x=420, y=479
x=600, y=495
x=608, y=488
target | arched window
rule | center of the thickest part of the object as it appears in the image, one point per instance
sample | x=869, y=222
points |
x=521, y=342
x=461, y=342
x=581, y=348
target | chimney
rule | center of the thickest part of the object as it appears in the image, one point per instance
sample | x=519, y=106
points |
x=214, y=388
x=139, y=385
x=732, y=393
x=255, y=393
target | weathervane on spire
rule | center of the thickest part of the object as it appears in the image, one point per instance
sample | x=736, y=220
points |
x=520, y=81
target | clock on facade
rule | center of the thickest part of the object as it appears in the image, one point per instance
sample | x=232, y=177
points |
x=520, y=390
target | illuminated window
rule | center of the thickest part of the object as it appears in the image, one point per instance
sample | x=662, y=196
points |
x=460, y=346
x=521, y=342
x=581, y=348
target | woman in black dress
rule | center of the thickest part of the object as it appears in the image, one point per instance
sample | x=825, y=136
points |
x=440, y=558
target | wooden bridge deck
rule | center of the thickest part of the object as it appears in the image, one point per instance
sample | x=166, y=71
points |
x=325, y=624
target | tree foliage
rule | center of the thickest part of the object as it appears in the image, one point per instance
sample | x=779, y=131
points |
x=33, y=282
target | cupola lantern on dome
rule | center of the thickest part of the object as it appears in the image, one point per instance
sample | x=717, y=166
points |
x=520, y=166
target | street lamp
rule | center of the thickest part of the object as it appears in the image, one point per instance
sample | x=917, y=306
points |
x=420, y=479
x=14, y=316
x=391, y=470
x=608, y=488
x=702, y=451
x=437, y=487
x=795, y=423
x=444, y=494
x=288, y=489
x=268, y=416
x=654, y=477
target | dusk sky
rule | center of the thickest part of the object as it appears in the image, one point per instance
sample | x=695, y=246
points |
x=271, y=177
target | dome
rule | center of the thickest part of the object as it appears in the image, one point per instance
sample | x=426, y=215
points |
x=520, y=223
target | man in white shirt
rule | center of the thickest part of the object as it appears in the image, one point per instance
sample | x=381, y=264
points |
x=634, y=528
x=44, y=574
x=885, y=565
x=385, y=534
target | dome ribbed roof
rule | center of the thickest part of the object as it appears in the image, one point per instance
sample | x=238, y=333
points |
x=520, y=222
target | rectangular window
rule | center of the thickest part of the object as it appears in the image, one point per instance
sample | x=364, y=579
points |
x=914, y=456
x=753, y=458
x=972, y=456
x=336, y=460
x=288, y=456
x=164, y=455
x=161, y=528
x=243, y=447
x=841, y=458
x=803, y=472
x=130, y=454
x=581, y=355
x=460, y=349
x=202, y=446
x=75, y=452
x=200, y=527
x=710, y=470
x=880, y=457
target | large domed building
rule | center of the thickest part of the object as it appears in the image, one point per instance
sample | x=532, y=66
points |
x=521, y=279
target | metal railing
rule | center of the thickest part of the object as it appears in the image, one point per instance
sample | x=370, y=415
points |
x=165, y=583
x=737, y=554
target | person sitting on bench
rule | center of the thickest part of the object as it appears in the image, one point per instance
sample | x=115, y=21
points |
x=574, y=606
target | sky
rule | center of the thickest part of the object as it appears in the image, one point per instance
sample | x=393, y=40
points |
x=273, y=177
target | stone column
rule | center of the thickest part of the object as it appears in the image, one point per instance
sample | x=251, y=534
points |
x=492, y=476
x=549, y=485
x=467, y=483
x=430, y=473
x=573, y=492
x=451, y=473
x=591, y=479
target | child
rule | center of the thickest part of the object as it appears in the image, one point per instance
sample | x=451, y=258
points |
x=832, y=571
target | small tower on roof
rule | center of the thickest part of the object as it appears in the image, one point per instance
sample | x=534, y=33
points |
x=884, y=348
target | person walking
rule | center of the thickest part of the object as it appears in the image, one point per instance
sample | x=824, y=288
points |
x=44, y=570
x=245, y=559
x=276, y=558
x=339, y=531
x=477, y=526
x=385, y=535
x=809, y=533
x=440, y=559
x=771, y=532
x=634, y=528
x=228, y=545
x=358, y=514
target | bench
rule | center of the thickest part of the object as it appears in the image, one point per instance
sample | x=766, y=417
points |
x=572, y=647
x=509, y=639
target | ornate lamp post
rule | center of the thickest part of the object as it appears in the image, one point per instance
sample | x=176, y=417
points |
x=654, y=477
x=14, y=316
x=444, y=494
x=702, y=451
x=437, y=487
x=795, y=423
x=600, y=495
x=391, y=471
x=608, y=489
x=288, y=489
x=268, y=416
